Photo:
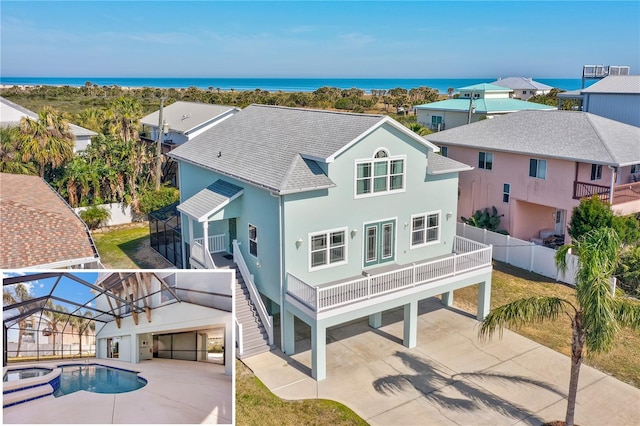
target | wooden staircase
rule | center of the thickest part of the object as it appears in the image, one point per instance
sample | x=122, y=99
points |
x=255, y=339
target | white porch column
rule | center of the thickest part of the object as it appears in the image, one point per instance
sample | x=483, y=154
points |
x=484, y=298
x=410, y=337
x=447, y=298
x=205, y=236
x=375, y=320
x=318, y=352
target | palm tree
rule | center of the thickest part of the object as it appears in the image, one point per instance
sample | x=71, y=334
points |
x=57, y=315
x=597, y=316
x=47, y=140
x=19, y=294
x=419, y=129
x=124, y=118
x=82, y=324
x=10, y=157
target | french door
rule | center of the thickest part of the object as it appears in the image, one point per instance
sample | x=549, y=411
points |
x=379, y=242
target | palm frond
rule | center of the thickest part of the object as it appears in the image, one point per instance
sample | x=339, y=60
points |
x=627, y=313
x=599, y=319
x=521, y=312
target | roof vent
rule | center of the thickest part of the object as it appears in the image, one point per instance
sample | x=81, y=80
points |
x=185, y=116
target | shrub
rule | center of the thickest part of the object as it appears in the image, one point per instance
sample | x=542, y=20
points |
x=593, y=213
x=153, y=200
x=95, y=216
x=628, y=272
x=485, y=220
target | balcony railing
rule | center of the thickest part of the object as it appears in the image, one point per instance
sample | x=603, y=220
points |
x=621, y=193
x=467, y=255
x=216, y=243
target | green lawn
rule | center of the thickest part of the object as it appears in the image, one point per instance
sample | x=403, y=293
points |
x=127, y=247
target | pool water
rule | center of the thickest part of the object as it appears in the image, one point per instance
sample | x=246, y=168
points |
x=98, y=379
x=25, y=373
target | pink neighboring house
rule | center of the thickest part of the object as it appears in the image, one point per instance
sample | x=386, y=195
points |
x=535, y=166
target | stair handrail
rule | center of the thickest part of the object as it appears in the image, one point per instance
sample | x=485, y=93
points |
x=267, y=320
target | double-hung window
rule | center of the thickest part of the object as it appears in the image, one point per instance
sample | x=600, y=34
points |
x=383, y=174
x=538, y=168
x=485, y=160
x=635, y=168
x=596, y=171
x=444, y=151
x=253, y=240
x=506, y=192
x=425, y=229
x=328, y=248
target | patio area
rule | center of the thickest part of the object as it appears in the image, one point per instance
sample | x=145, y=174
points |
x=448, y=378
x=177, y=392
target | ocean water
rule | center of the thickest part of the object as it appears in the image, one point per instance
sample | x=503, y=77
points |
x=279, y=84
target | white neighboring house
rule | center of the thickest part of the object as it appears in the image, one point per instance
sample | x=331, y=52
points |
x=523, y=87
x=616, y=97
x=184, y=121
x=11, y=113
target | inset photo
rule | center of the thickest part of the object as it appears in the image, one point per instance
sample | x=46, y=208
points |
x=118, y=347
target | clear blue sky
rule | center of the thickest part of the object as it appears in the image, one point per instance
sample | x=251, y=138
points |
x=387, y=39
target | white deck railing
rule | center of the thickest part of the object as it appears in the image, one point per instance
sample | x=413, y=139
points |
x=267, y=320
x=216, y=243
x=198, y=255
x=467, y=255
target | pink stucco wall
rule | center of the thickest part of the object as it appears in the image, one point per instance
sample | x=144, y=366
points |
x=481, y=188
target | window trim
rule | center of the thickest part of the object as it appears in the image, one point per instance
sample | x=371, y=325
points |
x=484, y=163
x=538, y=160
x=444, y=151
x=596, y=172
x=372, y=161
x=249, y=240
x=425, y=243
x=635, y=168
x=327, y=233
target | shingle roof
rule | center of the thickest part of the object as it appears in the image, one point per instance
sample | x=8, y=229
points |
x=37, y=227
x=484, y=106
x=9, y=118
x=276, y=147
x=211, y=199
x=438, y=164
x=521, y=83
x=183, y=116
x=627, y=84
x=569, y=135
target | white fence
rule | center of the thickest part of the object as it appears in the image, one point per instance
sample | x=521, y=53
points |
x=120, y=214
x=522, y=254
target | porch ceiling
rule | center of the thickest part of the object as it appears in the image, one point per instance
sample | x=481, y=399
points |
x=210, y=200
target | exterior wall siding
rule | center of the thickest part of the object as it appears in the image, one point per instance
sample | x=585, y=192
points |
x=257, y=207
x=482, y=188
x=619, y=107
x=337, y=208
x=451, y=119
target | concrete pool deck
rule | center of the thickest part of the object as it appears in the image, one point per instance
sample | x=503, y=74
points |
x=450, y=378
x=186, y=392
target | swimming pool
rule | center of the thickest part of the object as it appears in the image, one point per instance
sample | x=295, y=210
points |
x=25, y=373
x=98, y=379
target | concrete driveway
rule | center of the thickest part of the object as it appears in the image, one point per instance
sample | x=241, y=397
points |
x=450, y=378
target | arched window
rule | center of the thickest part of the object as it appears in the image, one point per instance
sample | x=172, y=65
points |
x=380, y=175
